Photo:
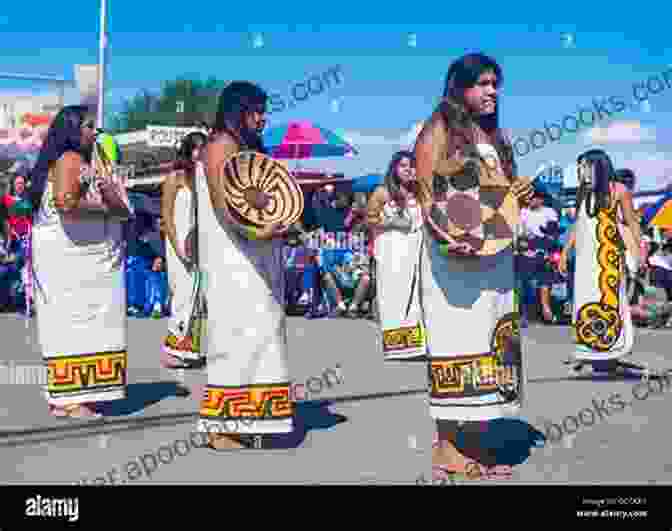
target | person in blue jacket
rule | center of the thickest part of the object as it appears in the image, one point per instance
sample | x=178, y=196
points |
x=156, y=304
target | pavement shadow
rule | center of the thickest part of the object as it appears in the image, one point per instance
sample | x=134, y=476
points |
x=627, y=377
x=139, y=396
x=506, y=441
x=308, y=416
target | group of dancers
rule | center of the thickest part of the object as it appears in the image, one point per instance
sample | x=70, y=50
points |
x=444, y=222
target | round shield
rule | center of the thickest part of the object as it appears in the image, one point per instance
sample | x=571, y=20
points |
x=484, y=219
x=247, y=176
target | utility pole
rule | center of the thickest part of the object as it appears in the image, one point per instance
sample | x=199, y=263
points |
x=101, y=64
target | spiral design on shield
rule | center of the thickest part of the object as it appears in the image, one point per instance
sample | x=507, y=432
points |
x=249, y=172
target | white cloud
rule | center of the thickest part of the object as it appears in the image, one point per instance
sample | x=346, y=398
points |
x=358, y=139
x=405, y=139
x=620, y=132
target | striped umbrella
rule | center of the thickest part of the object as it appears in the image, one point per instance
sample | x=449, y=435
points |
x=305, y=140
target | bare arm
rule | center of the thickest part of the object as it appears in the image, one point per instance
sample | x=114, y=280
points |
x=374, y=208
x=630, y=218
x=428, y=149
x=67, y=185
x=564, y=255
x=68, y=198
x=168, y=197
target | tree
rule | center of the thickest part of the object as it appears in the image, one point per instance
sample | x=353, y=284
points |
x=182, y=102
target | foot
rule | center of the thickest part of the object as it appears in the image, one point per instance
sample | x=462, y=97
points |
x=82, y=411
x=59, y=412
x=352, y=311
x=220, y=441
x=451, y=461
x=341, y=308
x=171, y=362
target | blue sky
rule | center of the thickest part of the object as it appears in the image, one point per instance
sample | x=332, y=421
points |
x=391, y=81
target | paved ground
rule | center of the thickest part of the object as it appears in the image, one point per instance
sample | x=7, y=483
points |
x=372, y=428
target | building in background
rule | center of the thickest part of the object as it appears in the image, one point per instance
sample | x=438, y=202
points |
x=19, y=111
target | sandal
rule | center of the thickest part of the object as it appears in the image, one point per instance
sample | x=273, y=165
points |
x=58, y=412
x=244, y=442
x=82, y=411
x=472, y=470
x=74, y=411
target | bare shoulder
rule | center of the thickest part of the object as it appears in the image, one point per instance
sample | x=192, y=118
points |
x=380, y=194
x=434, y=130
x=69, y=164
x=218, y=151
x=222, y=143
x=174, y=181
x=70, y=160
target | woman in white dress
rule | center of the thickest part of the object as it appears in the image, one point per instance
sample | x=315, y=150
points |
x=602, y=322
x=182, y=346
x=78, y=253
x=395, y=219
x=471, y=198
x=248, y=397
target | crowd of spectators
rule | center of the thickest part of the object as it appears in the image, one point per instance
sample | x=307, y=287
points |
x=329, y=259
x=329, y=263
x=15, y=213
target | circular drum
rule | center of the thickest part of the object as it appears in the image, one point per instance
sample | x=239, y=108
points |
x=247, y=173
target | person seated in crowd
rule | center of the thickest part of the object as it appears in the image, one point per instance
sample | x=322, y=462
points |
x=331, y=208
x=303, y=278
x=140, y=257
x=156, y=303
x=356, y=220
x=346, y=278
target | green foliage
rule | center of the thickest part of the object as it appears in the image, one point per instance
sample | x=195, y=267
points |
x=145, y=108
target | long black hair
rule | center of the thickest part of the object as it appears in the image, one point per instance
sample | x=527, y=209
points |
x=235, y=100
x=462, y=75
x=185, y=151
x=65, y=134
x=392, y=181
x=594, y=191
